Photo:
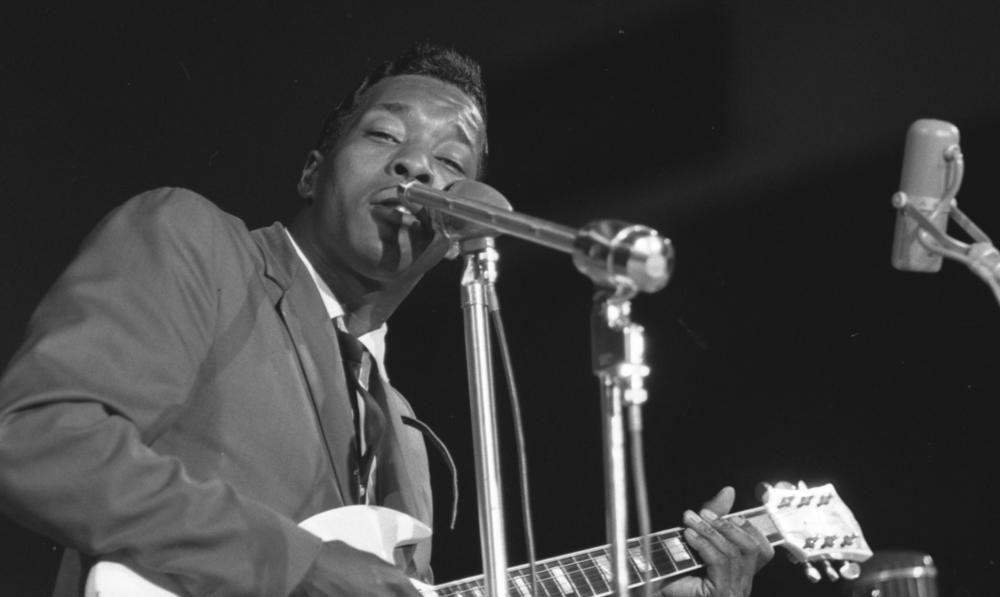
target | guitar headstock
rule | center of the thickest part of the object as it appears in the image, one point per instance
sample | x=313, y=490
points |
x=817, y=528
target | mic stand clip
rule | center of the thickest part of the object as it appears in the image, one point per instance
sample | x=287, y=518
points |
x=980, y=256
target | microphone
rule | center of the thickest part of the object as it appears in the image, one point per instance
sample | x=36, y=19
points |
x=926, y=185
x=609, y=252
x=471, y=234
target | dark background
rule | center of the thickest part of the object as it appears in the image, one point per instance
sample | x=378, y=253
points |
x=764, y=138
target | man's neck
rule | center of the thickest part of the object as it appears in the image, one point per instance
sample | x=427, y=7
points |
x=367, y=303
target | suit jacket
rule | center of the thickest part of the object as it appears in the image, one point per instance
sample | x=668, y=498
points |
x=180, y=404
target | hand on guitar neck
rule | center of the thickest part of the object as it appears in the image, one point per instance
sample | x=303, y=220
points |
x=732, y=549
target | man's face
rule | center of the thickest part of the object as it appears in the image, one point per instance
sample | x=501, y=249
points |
x=408, y=127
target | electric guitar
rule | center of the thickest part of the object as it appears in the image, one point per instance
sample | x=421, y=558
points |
x=813, y=524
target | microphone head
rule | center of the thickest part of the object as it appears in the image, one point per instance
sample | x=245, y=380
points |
x=478, y=191
x=473, y=237
x=620, y=254
x=924, y=181
x=924, y=172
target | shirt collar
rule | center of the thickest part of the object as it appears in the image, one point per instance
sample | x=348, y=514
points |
x=374, y=340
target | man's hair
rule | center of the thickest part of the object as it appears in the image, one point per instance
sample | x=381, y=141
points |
x=428, y=60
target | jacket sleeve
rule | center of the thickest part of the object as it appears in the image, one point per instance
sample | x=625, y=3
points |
x=109, y=361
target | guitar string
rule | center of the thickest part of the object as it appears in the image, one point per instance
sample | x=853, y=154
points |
x=590, y=569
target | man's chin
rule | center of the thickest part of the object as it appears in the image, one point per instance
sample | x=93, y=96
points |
x=410, y=254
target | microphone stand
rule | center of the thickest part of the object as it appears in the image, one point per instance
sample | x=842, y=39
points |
x=621, y=259
x=478, y=278
x=617, y=359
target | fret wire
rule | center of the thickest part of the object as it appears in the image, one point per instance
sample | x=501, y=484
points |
x=524, y=572
x=579, y=574
x=690, y=556
x=517, y=589
x=545, y=574
x=661, y=561
x=593, y=573
x=468, y=587
x=607, y=569
x=667, y=556
x=512, y=590
x=563, y=580
x=476, y=587
x=635, y=572
x=590, y=567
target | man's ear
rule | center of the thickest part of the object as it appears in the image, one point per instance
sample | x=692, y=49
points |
x=310, y=170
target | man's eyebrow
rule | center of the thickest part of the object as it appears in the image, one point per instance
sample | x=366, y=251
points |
x=464, y=135
x=394, y=107
x=401, y=109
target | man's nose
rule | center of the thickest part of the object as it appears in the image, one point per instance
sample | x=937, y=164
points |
x=412, y=164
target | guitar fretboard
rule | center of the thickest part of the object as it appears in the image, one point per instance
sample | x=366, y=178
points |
x=589, y=573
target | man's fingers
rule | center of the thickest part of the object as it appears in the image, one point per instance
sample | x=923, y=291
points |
x=722, y=503
x=733, y=529
x=704, y=527
x=761, y=545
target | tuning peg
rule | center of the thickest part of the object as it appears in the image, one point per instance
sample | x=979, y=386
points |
x=762, y=488
x=760, y=491
x=850, y=570
x=811, y=572
x=830, y=572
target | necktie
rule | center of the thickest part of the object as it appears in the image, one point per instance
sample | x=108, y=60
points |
x=369, y=416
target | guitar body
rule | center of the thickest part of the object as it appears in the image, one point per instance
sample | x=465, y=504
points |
x=373, y=529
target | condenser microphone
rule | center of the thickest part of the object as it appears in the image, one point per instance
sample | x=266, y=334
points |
x=926, y=185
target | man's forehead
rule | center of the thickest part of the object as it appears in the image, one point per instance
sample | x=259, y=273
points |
x=428, y=97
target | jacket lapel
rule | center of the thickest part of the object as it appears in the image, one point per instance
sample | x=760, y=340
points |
x=404, y=479
x=299, y=305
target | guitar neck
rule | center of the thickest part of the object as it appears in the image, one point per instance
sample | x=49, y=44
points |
x=588, y=573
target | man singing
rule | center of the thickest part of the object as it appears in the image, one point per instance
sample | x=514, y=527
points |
x=190, y=390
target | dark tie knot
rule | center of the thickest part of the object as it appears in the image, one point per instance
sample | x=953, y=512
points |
x=357, y=356
x=352, y=348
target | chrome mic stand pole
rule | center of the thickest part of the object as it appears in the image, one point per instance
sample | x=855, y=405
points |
x=617, y=360
x=478, y=277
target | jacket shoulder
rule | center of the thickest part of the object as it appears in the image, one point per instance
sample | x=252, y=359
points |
x=172, y=206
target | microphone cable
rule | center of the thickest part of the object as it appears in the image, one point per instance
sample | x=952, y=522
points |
x=641, y=490
x=515, y=408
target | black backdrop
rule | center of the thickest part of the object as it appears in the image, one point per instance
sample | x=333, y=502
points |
x=764, y=139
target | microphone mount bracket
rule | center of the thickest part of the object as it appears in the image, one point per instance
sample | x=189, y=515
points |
x=980, y=256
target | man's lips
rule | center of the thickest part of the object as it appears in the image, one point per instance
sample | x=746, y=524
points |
x=394, y=210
